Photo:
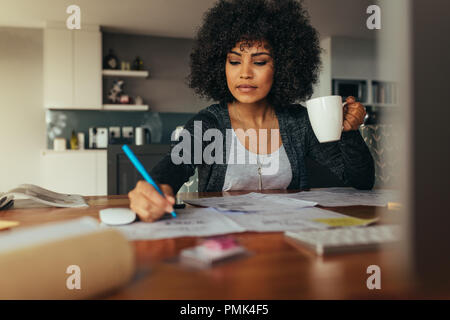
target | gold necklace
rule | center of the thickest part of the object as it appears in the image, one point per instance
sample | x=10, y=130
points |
x=260, y=186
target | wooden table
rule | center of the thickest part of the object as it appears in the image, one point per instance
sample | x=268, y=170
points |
x=274, y=270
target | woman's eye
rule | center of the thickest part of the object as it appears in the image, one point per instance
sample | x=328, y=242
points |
x=258, y=63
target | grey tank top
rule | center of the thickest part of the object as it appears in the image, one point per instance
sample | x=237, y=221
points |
x=242, y=169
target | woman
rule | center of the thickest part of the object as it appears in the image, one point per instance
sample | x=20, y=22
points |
x=256, y=57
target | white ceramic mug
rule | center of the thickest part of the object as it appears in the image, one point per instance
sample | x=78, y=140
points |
x=325, y=115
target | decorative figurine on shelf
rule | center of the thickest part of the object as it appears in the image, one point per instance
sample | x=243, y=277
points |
x=138, y=101
x=125, y=65
x=116, y=91
x=125, y=99
x=138, y=64
x=110, y=61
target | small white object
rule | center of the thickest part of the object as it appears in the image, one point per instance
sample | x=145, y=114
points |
x=139, y=136
x=59, y=144
x=117, y=216
x=142, y=136
x=98, y=138
x=139, y=100
x=81, y=140
x=102, y=138
x=114, y=131
x=127, y=132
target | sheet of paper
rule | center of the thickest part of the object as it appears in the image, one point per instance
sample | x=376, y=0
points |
x=253, y=202
x=302, y=219
x=201, y=222
x=28, y=203
x=189, y=222
x=49, y=197
x=342, y=197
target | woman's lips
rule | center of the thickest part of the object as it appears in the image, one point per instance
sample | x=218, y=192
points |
x=246, y=88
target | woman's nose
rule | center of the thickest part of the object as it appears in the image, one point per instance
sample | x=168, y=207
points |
x=246, y=71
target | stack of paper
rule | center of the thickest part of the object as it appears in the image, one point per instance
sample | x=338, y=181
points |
x=253, y=203
x=261, y=213
x=343, y=197
x=209, y=221
x=43, y=196
x=193, y=222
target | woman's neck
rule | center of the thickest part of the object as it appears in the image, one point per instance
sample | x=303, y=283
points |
x=254, y=114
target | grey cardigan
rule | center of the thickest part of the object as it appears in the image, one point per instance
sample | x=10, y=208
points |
x=349, y=159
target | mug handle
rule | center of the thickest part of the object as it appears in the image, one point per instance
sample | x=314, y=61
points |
x=343, y=106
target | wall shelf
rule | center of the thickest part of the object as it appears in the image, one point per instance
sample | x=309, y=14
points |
x=125, y=107
x=77, y=151
x=125, y=73
x=382, y=105
x=376, y=93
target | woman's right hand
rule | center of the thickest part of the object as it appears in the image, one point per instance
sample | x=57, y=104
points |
x=148, y=204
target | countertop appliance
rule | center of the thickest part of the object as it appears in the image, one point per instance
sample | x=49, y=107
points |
x=142, y=136
x=98, y=138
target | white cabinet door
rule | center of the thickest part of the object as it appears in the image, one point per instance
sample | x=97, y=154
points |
x=87, y=69
x=72, y=68
x=58, y=68
x=102, y=173
x=75, y=172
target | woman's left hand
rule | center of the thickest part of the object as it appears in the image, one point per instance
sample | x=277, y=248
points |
x=354, y=114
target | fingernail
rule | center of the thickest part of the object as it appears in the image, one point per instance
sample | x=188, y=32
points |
x=169, y=209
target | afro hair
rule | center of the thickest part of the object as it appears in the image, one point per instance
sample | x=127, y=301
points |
x=284, y=24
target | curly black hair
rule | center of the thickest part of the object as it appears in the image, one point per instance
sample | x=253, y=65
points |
x=284, y=24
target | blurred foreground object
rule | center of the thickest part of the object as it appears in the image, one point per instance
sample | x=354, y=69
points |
x=35, y=262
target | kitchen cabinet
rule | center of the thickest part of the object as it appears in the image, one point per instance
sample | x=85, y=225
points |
x=72, y=67
x=75, y=171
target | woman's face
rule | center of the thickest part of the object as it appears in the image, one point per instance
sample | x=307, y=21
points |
x=249, y=72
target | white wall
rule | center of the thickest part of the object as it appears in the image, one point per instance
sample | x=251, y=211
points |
x=323, y=87
x=353, y=58
x=22, y=116
x=346, y=58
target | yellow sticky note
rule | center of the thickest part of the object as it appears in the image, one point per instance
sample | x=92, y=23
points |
x=346, y=222
x=8, y=224
x=394, y=206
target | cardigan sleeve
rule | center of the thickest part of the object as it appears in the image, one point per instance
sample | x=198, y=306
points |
x=175, y=175
x=349, y=158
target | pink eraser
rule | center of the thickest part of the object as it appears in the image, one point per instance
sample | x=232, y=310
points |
x=220, y=243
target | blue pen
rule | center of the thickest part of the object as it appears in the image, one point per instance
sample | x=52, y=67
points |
x=142, y=171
